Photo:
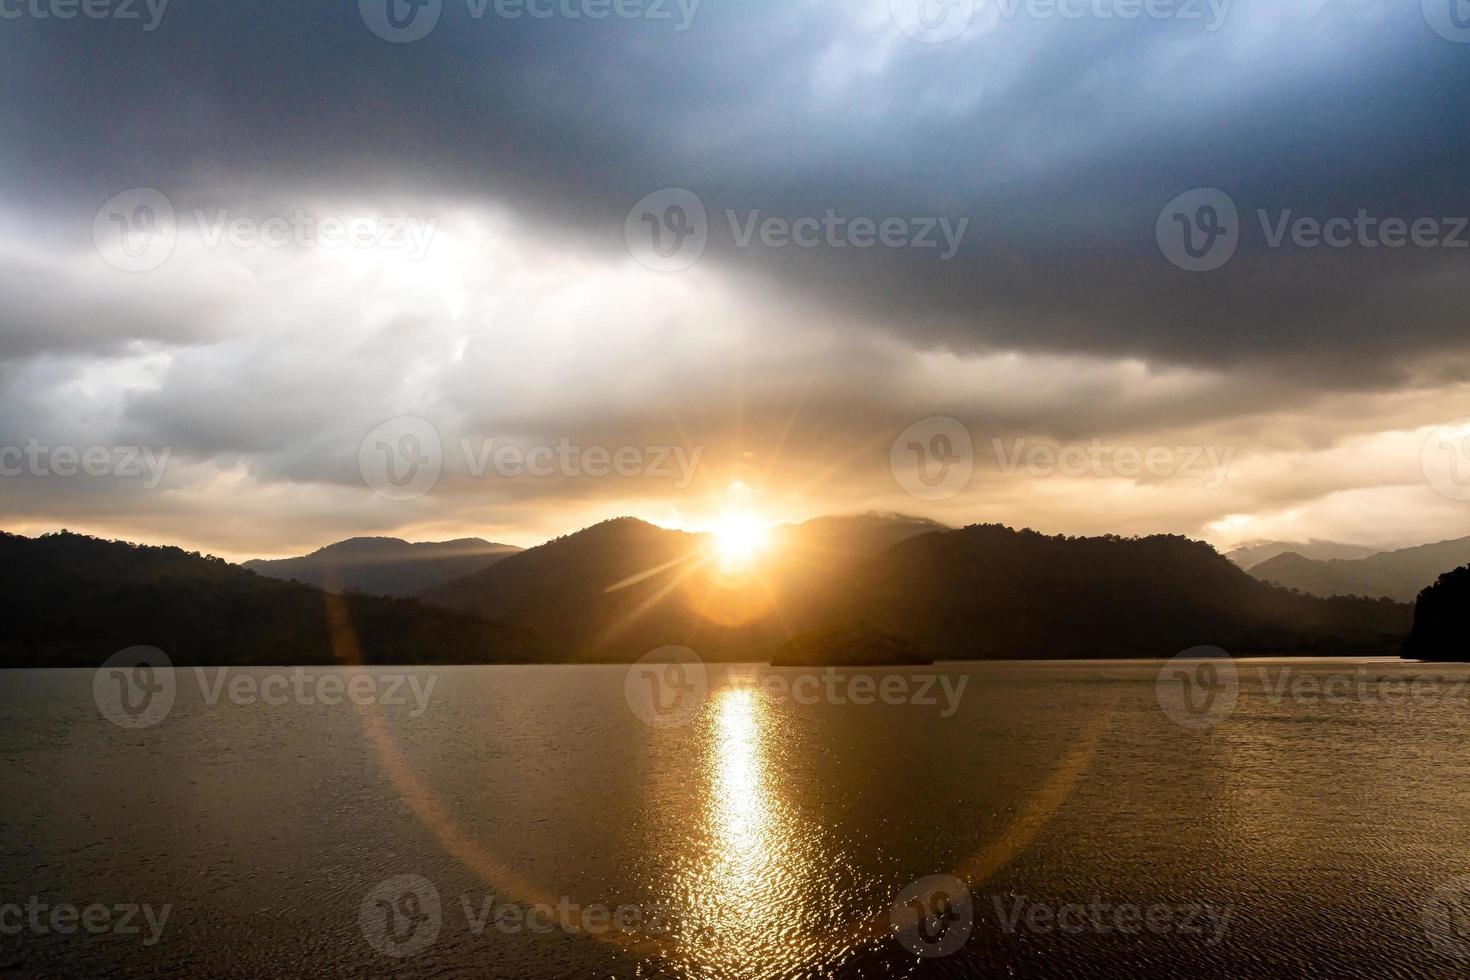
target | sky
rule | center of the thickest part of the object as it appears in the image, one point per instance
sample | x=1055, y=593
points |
x=277, y=273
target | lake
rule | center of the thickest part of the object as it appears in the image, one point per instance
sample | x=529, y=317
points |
x=1061, y=819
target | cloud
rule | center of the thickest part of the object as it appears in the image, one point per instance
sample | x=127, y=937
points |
x=525, y=142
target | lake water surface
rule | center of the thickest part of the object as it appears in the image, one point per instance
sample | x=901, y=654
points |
x=1317, y=827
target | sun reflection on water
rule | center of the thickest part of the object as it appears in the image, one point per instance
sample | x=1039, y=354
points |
x=753, y=865
x=739, y=805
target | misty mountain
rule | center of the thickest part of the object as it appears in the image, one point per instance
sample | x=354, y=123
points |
x=385, y=566
x=623, y=588
x=72, y=600
x=1439, y=619
x=1399, y=575
x=1248, y=556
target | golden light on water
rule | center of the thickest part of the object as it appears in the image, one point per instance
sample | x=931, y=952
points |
x=756, y=856
x=739, y=808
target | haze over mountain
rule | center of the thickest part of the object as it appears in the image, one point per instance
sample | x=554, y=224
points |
x=1247, y=556
x=1399, y=575
x=385, y=566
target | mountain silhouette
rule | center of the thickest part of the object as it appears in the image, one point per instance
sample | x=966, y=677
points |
x=612, y=591
x=73, y=600
x=989, y=591
x=1439, y=619
x=868, y=589
x=853, y=536
x=1399, y=575
x=625, y=587
x=385, y=566
x=1248, y=556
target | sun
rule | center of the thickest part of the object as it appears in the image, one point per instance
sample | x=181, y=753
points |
x=739, y=540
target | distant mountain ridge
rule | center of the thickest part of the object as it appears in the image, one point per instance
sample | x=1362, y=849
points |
x=1398, y=575
x=73, y=600
x=1247, y=556
x=385, y=566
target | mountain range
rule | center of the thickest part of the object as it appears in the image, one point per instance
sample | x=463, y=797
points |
x=1248, y=556
x=845, y=589
x=72, y=600
x=624, y=587
x=385, y=566
x=1399, y=575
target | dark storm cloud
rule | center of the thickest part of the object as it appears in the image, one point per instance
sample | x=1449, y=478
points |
x=1059, y=141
